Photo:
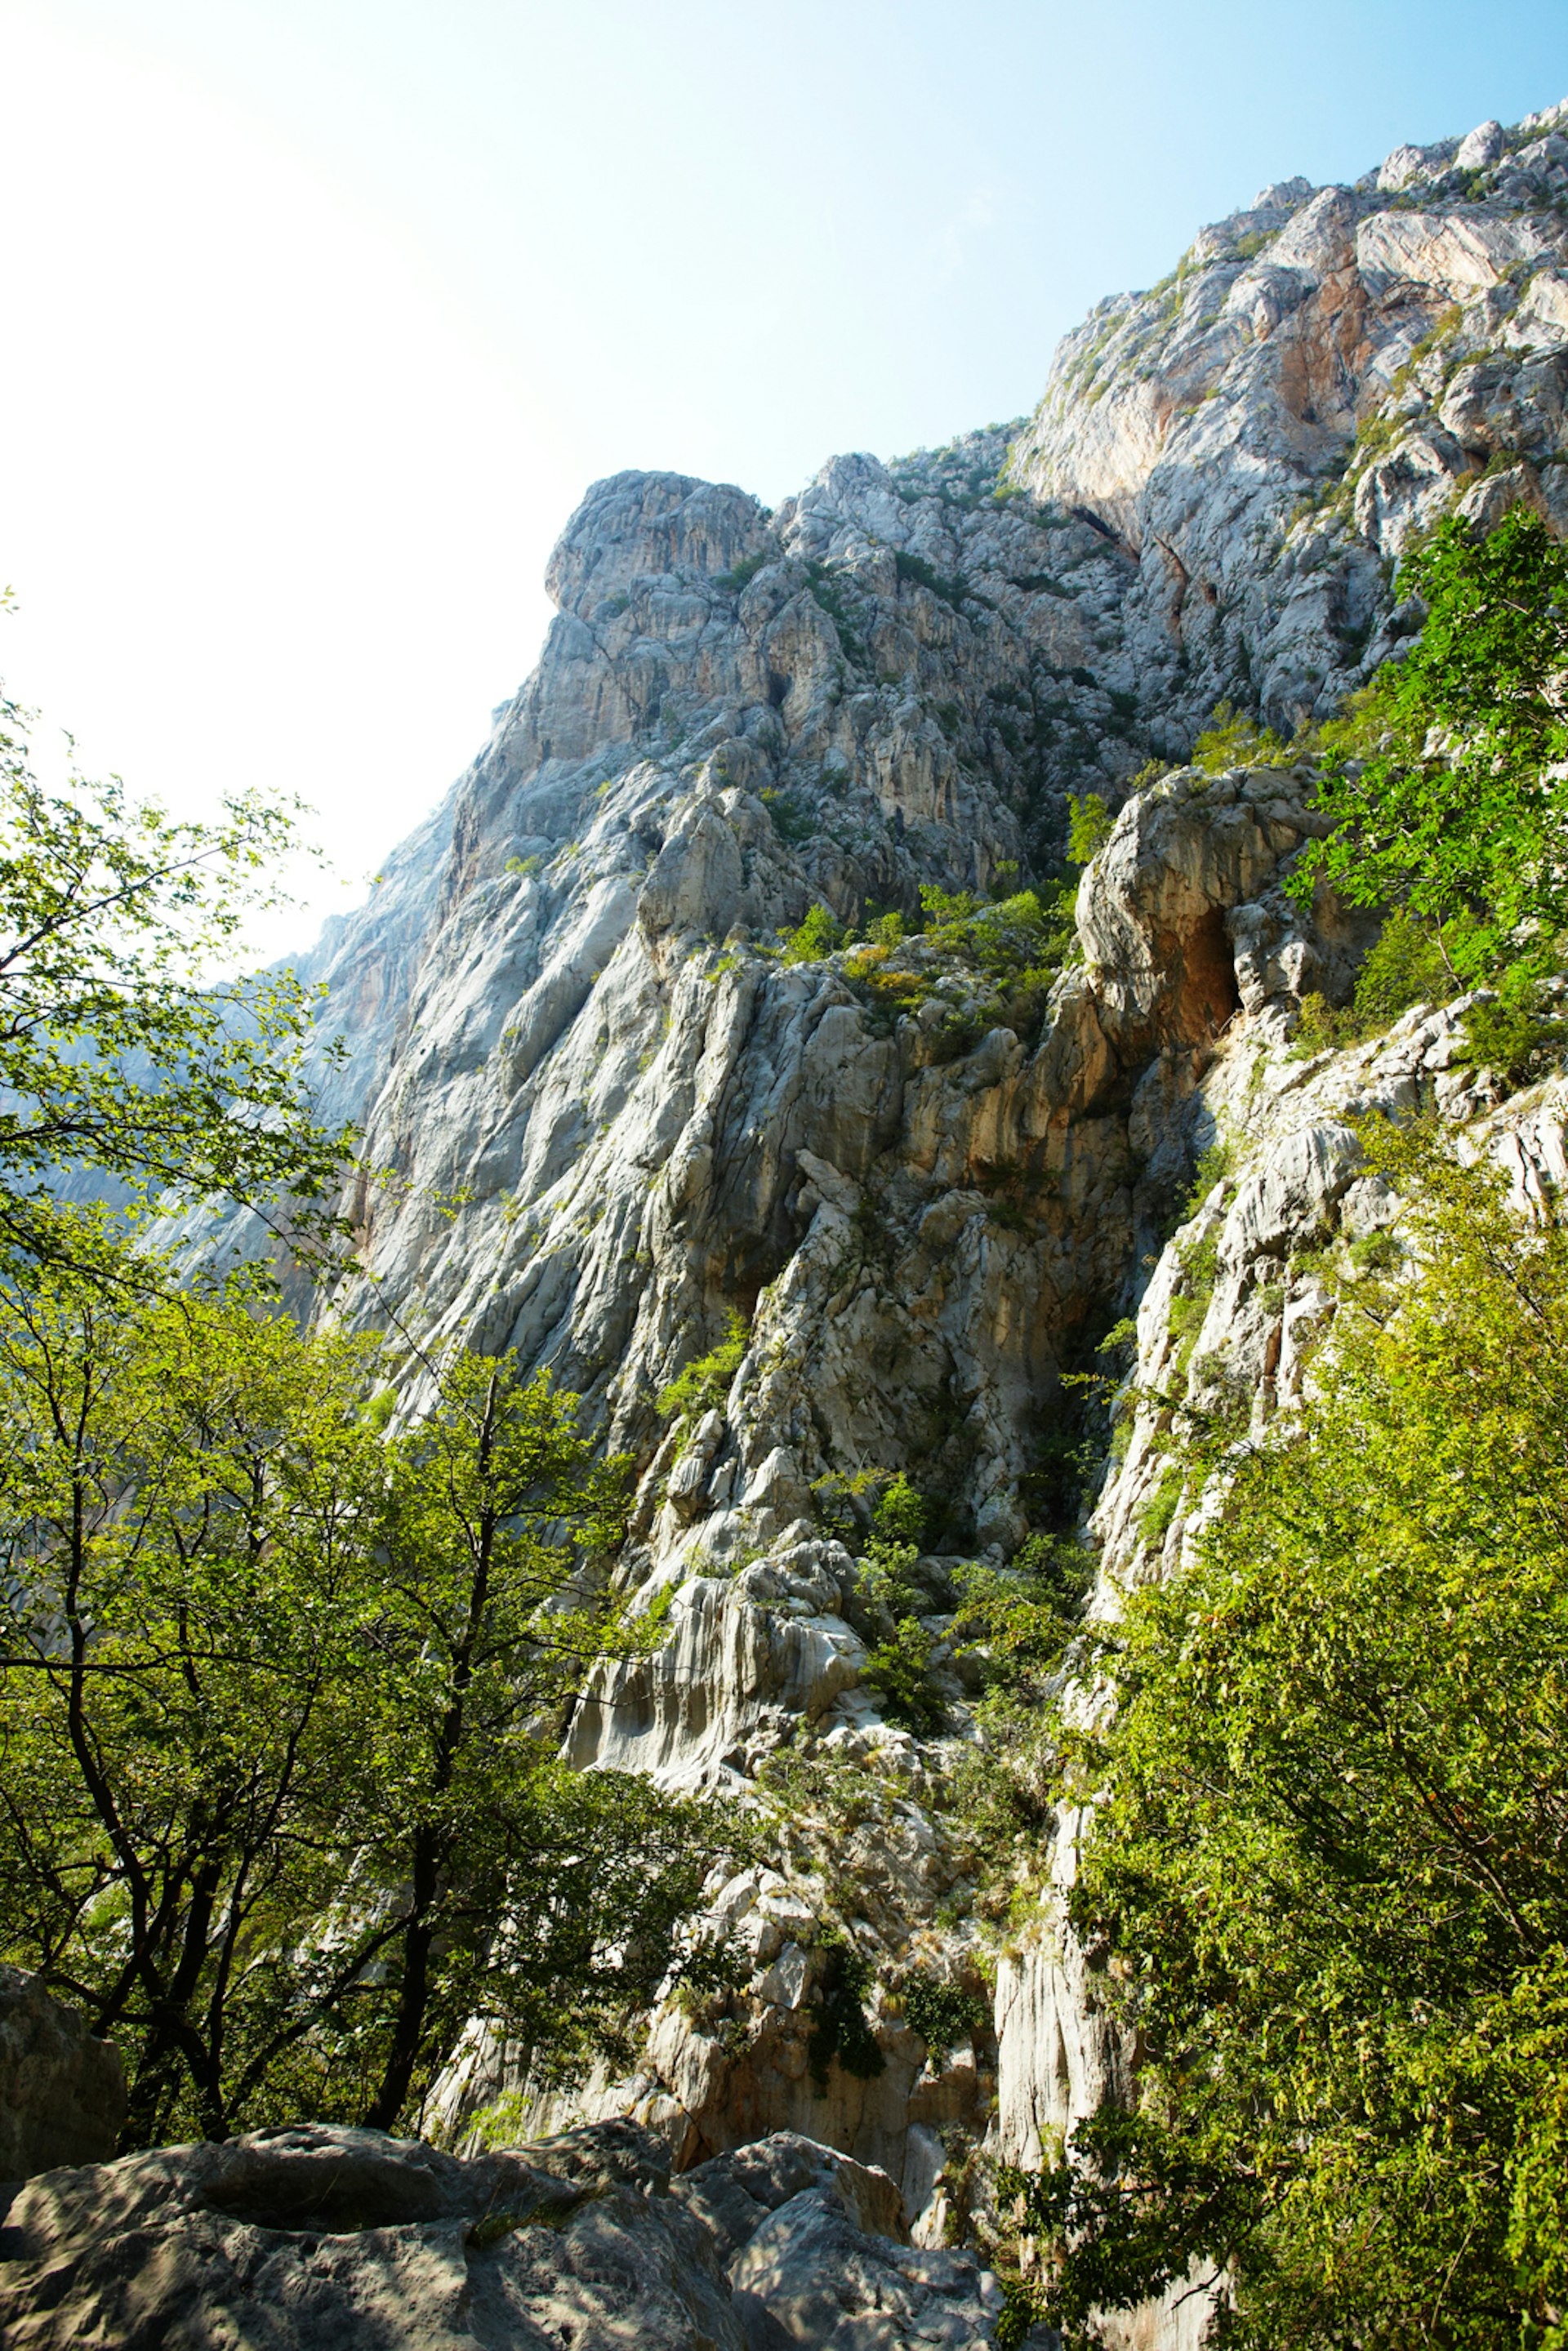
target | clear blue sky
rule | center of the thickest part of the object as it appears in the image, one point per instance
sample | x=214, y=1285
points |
x=321, y=312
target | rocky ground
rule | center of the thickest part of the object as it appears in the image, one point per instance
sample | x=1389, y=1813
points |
x=349, y=2241
x=609, y=1121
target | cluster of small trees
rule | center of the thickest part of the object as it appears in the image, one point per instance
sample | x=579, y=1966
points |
x=281, y=1695
x=1327, y=1815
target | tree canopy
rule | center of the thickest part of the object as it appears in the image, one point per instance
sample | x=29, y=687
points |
x=1446, y=782
x=120, y=1052
x=1327, y=1836
x=280, y=1712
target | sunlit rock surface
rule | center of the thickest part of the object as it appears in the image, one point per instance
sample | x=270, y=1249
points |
x=605, y=1116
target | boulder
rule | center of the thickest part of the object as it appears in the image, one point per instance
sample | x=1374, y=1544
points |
x=322, y=2238
x=818, y=2255
x=62, y=2091
x=733, y=2194
x=327, y=2238
x=810, y=2278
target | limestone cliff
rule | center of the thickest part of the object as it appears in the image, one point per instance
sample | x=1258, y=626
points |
x=604, y=1115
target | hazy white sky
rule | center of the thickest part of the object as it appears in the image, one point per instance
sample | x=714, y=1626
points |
x=319, y=314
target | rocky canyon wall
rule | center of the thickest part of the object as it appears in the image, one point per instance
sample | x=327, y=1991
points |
x=609, y=1121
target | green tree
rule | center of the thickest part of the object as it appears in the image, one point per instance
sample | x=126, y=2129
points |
x=1445, y=785
x=1090, y=825
x=119, y=1053
x=820, y=935
x=1231, y=739
x=188, y=1520
x=898, y=1663
x=1329, y=1837
x=281, y=1703
x=542, y=1898
x=1018, y=941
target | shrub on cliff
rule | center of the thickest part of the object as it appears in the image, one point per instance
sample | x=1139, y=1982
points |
x=1329, y=1838
x=1448, y=783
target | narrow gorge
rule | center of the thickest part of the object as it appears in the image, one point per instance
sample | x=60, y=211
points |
x=657, y=1068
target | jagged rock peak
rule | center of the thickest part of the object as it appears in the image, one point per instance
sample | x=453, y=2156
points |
x=636, y=525
x=1322, y=375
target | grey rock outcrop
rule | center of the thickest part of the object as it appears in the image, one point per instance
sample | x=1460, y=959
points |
x=62, y=2090
x=344, y=2238
x=1325, y=371
x=287, y=2240
x=733, y=2194
x=810, y=2278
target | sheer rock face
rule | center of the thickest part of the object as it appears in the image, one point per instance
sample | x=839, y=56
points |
x=62, y=2091
x=615, y=1116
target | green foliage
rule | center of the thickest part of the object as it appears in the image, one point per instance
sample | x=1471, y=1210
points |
x=1519, y=1040
x=1518, y=1035
x=1215, y=1160
x=1015, y=942
x=893, y=1546
x=900, y=1667
x=704, y=1383
x=737, y=576
x=899, y=1664
x=820, y=935
x=1231, y=739
x=119, y=1053
x=1327, y=1837
x=899, y=1519
x=943, y=2014
x=281, y=1698
x=840, y=2026
x=827, y=589
x=1459, y=820
x=792, y=824
x=1320, y=1027
x=1013, y=947
x=1088, y=827
x=998, y=1794
x=1360, y=729
x=1154, y=1518
x=1023, y=1616
x=835, y=1497
x=1407, y=967
x=1198, y=1256
x=924, y=575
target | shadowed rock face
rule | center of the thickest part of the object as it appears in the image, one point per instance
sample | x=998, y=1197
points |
x=62, y=2092
x=615, y=1115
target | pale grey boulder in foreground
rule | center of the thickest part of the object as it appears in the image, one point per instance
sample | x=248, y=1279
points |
x=338, y=2239
x=321, y=2239
x=810, y=2279
x=62, y=2091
